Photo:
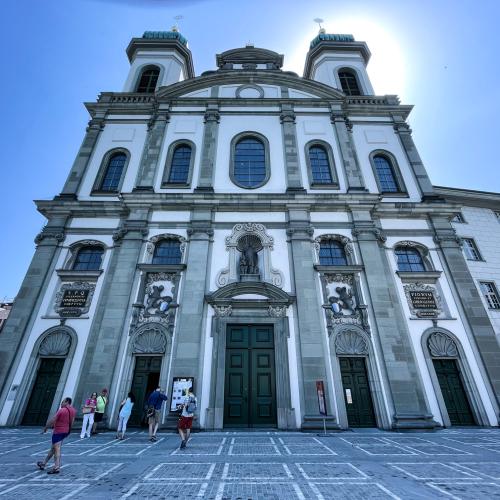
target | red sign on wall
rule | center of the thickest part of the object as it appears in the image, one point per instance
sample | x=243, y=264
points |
x=320, y=389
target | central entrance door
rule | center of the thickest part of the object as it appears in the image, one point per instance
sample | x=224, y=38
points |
x=453, y=392
x=145, y=381
x=357, y=395
x=250, y=385
x=44, y=390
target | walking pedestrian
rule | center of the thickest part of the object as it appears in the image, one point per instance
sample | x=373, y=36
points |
x=186, y=419
x=155, y=401
x=102, y=402
x=61, y=423
x=88, y=415
x=124, y=415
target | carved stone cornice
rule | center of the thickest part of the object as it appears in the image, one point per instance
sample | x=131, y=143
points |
x=211, y=116
x=402, y=128
x=119, y=234
x=377, y=233
x=441, y=238
x=95, y=124
x=277, y=311
x=287, y=116
x=296, y=232
x=191, y=231
x=57, y=234
x=222, y=311
x=159, y=116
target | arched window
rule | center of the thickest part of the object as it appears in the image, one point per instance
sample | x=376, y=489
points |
x=167, y=252
x=321, y=172
x=349, y=82
x=180, y=165
x=409, y=259
x=249, y=167
x=332, y=253
x=148, y=80
x=88, y=258
x=386, y=175
x=113, y=172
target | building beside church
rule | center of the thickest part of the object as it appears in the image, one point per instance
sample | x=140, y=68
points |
x=265, y=236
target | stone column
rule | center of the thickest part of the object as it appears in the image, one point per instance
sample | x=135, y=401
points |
x=108, y=328
x=292, y=165
x=152, y=149
x=209, y=149
x=343, y=132
x=29, y=297
x=404, y=133
x=188, y=343
x=405, y=384
x=483, y=333
x=94, y=128
x=311, y=334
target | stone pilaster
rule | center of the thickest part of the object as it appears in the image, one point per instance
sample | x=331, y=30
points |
x=405, y=384
x=188, y=343
x=311, y=334
x=292, y=165
x=482, y=330
x=14, y=333
x=209, y=149
x=94, y=128
x=343, y=132
x=152, y=149
x=404, y=132
x=108, y=328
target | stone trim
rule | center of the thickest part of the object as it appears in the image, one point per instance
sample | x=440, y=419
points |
x=333, y=171
x=96, y=189
x=168, y=164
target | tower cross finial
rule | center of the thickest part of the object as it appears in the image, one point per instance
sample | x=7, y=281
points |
x=175, y=27
x=319, y=21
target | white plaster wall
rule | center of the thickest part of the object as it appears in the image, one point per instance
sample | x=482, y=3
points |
x=270, y=91
x=329, y=217
x=483, y=225
x=269, y=127
x=88, y=223
x=404, y=224
x=368, y=138
x=130, y=136
x=168, y=216
x=204, y=392
x=241, y=217
x=318, y=127
x=188, y=127
x=455, y=325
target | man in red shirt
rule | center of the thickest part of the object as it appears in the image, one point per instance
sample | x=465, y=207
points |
x=62, y=422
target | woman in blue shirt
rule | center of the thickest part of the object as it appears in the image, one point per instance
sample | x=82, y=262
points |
x=124, y=415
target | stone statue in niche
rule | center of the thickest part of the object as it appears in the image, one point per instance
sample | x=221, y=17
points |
x=249, y=247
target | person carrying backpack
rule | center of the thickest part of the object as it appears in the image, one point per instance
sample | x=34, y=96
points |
x=186, y=419
x=153, y=412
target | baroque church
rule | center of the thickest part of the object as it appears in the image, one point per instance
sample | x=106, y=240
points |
x=271, y=239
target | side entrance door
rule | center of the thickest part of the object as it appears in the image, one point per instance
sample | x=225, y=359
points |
x=146, y=380
x=358, y=399
x=44, y=389
x=250, y=385
x=453, y=392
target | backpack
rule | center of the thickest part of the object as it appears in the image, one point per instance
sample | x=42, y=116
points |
x=191, y=406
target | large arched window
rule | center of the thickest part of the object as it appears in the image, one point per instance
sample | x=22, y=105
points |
x=250, y=161
x=409, y=259
x=113, y=172
x=320, y=165
x=332, y=253
x=387, y=174
x=88, y=258
x=349, y=82
x=179, y=164
x=148, y=80
x=167, y=252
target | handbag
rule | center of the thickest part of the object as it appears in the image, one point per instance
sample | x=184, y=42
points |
x=86, y=410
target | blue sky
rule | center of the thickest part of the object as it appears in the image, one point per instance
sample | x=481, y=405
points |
x=440, y=56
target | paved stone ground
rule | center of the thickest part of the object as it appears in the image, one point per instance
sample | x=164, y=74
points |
x=462, y=463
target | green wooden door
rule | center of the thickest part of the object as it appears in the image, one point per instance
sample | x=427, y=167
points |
x=357, y=395
x=145, y=381
x=453, y=392
x=250, y=395
x=44, y=389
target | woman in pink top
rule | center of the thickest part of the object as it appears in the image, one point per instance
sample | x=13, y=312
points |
x=61, y=422
x=88, y=415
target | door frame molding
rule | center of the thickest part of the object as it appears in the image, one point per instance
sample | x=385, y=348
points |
x=24, y=389
x=376, y=390
x=469, y=384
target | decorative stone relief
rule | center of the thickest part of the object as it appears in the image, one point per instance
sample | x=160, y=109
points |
x=350, y=342
x=442, y=345
x=149, y=341
x=159, y=304
x=55, y=344
x=150, y=247
x=424, y=300
x=74, y=299
x=249, y=248
x=277, y=311
x=223, y=311
x=341, y=303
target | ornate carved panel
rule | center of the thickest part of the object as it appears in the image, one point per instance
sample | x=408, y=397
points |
x=149, y=340
x=442, y=345
x=74, y=299
x=424, y=300
x=350, y=342
x=55, y=344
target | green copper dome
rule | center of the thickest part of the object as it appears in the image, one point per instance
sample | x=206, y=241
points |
x=325, y=37
x=165, y=35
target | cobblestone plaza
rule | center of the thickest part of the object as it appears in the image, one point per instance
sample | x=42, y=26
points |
x=242, y=465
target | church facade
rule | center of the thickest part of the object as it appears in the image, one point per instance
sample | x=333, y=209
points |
x=271, y=239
